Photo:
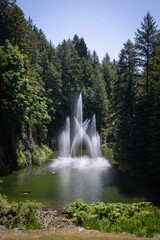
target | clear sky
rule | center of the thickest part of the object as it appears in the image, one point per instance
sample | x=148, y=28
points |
x=105, y=25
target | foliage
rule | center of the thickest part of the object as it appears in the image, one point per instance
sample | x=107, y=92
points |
x=13, y=89
x=21, y=215
x=141, y=219
x=35, y=156
x=108, y=153
x=134, y=104
x=40, y=154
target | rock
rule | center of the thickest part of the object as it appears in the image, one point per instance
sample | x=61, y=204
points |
x=81, y=229
x=52, y=219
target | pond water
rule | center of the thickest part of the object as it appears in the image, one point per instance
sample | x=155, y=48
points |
x=69, y=184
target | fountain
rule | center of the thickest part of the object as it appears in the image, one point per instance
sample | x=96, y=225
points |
x=79, y=142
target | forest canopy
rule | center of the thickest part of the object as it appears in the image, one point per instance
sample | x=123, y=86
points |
x=38, y=82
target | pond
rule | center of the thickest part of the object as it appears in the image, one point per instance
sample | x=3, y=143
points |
x=68, y=184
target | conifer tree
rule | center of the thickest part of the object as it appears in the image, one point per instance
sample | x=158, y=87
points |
x=80, y=46
x=124, y=101
x=144, y=41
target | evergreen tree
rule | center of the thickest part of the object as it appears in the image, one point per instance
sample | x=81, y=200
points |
x=154, y=117
x=99, y=102
x=124, y=101
x=80, y=46
x=95, y=59
x=70, y=69
x=109, y=71
x=144, y=40
x=13, y=25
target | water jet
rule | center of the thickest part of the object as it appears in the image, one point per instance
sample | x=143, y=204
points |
x=79, y=141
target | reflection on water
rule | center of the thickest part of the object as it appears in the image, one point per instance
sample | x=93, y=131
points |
x=69, y=184
x=80, y=177
x=80, y=184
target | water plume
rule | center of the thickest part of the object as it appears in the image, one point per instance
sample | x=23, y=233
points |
x=79, y=141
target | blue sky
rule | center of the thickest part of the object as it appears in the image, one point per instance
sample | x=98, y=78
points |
x=105, y=25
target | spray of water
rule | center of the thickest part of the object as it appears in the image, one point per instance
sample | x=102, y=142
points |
x=79, y=142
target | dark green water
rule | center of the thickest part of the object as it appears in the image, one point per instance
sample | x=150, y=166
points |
x=67, y=185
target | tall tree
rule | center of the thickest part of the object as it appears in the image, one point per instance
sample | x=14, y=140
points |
x=124, y=101
x=13, y=90
x=154, y=117
x=70, y=67
x=144, y=40
x=99, y=102
x=109, y=72
x=80, y=46
x=13, y=25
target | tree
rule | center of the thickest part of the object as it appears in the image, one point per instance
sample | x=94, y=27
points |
x=52, y=79
x=99, y=103
x=13, y=25
x=13, y=90
x=154, y=123
x=80, y=46
x=124, y=104
x=70, y=69
x=144, y=40
x=95, y=59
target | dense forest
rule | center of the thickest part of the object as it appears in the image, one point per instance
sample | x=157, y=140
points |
x=38, y=82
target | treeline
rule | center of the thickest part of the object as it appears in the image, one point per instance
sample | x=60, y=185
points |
x=38, y=83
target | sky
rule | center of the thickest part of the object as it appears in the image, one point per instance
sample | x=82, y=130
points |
x=105, y=25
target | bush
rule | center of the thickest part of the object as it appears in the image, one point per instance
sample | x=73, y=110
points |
x=40, y=154
x=35, y=155
x=107, y=153
x=141, y=219
x=21, y=215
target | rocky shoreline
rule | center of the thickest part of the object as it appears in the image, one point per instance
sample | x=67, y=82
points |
x=51, y=219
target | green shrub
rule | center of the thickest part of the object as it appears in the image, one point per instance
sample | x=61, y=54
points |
x=141, y=219
x=21, y=215
x=108, y=153
x=24, y=157
x=40, y=154
x=36, y=155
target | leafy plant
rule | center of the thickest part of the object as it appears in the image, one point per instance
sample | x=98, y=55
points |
x=21, y=215
x=141, y=219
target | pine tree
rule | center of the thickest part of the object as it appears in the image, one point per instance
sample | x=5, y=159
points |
x=124, y=101
x=109, y=72
x=144, y=40
x=70, y=70
x=13, y=25
x=154, y=117
x=80, y=46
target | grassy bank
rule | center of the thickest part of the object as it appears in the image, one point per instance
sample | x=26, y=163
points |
x=65, y=234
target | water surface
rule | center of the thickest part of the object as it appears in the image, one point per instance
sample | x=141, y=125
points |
x=69, y=184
